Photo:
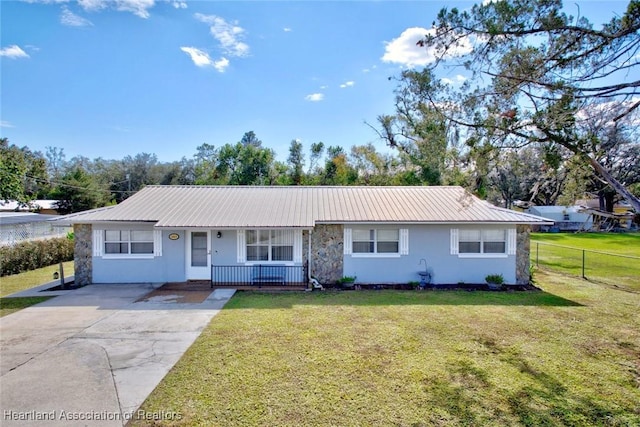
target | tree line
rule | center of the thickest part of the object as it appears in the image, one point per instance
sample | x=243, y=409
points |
x=530, y=174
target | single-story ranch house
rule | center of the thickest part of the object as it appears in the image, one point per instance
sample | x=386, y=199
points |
x=381, y=235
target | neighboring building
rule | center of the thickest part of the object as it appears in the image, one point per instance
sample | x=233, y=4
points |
x=16, y=227
x=565, y=218
x=379, y=234
x=45, y=207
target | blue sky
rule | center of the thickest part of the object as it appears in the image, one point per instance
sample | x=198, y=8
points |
x=110, y=78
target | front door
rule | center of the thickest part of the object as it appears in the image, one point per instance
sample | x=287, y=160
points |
x=198, y=255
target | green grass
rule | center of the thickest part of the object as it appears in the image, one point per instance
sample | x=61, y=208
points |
x=20, y=282
x=565, y=356
x=30, y=279
x=563, y=252
x=616, y=243
x=11, y=305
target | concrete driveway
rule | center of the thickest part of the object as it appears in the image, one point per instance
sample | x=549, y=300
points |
x=93, y=355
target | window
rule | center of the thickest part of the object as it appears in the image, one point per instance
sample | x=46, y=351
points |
x=374, y=241
x=128, y=242
x=482, y=242
x=269, y=245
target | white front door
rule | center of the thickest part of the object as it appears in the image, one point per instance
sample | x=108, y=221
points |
x=198, y=255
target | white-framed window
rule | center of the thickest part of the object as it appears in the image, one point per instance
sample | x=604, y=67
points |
x=128, y=242
x=269, y=245
x=376, y=241
x=483, y=242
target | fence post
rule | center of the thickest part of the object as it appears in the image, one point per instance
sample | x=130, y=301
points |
x=583, y=258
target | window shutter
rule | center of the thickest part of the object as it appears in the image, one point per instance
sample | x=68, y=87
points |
x=511, y=241
x=297, y=246
x=404, y=241
x=242, y=247
x=157, y=242
x=454, y=241
x=98, y=242
x=348, y=247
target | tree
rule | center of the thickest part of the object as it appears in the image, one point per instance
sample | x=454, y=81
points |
x=241, y=164
x=373, y=168
x=418, y=131
x=250, y=138
x=314, y=172
x=13, y=169
x=615, y=146
x=23, y=174
x=296, y=162
x=78, y=191
x=205, y=165
x=337, y=170
x=56, y=162
x=532, y=69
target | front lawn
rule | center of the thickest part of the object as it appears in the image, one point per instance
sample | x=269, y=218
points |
x=29, y=279
x=566, y=356
x=20, y=282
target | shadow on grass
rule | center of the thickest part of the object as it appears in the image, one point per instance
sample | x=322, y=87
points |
x=258, y=300
x=547, y=401
x=11, y=305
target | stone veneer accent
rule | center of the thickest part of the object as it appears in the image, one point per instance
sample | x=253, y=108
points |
x=327, y=252
x=523, y=249
x=82, y=254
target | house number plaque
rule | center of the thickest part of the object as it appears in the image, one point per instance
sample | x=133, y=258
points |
x=174, y=236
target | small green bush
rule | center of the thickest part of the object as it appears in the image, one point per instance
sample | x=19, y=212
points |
x=28, y=256
x=495, y=278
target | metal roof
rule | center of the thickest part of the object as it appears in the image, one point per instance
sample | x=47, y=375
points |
x=8, y=218
x=299, y=206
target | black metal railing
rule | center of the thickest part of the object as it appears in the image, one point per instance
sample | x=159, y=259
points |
x=258, y=275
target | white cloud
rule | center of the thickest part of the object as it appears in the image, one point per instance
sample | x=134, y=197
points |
x=458, y=79
x=324, y=87
x=93, y=5
x=221, y=64
x=137, y=7
x=202, y=59
x=404, y=49
x=5, y=124
x=314, y=97
x=287, y=30
x=179, y=4
x=347, y=84
x=13, y=51
x=72, y=20
x=228, y=34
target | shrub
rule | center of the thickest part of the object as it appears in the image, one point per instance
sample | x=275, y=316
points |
x=27, y=256
x=495, y=279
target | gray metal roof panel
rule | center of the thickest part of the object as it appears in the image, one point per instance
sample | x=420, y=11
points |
x=281, y=206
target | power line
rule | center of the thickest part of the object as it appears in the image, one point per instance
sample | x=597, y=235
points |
x=62, y=184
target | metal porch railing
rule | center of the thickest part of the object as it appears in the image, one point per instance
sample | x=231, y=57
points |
x=258, y=275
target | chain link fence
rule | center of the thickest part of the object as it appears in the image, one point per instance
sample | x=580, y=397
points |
x=603, y=267
x=12, y=234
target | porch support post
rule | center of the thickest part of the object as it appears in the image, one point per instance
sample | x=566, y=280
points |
x=83, y=253
x=309, y=258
